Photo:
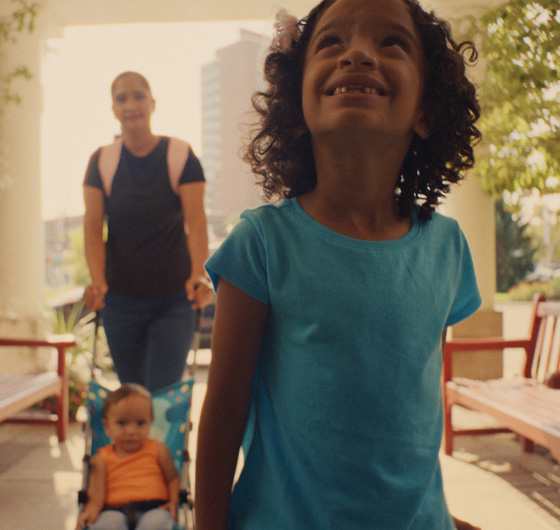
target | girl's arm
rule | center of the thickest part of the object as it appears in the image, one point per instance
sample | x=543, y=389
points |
x=192, y=201
x=171, y=479
x=239, y=325
x=95, y=492
x=94, y=246
x=459, y=525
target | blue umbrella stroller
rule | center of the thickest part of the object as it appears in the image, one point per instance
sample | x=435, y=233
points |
x=171, y=406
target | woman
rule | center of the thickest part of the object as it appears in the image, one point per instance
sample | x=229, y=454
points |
x=148, y=277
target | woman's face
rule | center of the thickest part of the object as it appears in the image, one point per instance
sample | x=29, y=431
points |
x=133, y=104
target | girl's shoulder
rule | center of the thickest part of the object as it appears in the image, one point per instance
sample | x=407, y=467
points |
x=286, y=208
x=267, y=215
x=441, y=223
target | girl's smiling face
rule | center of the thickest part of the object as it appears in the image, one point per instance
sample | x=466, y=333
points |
x=363, y=71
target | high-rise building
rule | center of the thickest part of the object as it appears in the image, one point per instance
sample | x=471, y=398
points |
x=228, y=84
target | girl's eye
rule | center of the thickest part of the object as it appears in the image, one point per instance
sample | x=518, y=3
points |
x=328, y=41
x=396, y=40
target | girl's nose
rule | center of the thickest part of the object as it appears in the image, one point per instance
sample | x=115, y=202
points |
x=359, y=54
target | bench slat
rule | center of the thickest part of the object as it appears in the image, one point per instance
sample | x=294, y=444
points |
x=18, y=393
x=535, y=405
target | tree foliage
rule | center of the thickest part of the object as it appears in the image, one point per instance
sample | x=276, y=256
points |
x=21, y=19
x=75, y=260
x=520, y=98
x=515, y=250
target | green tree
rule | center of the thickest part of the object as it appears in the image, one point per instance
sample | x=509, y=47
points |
x=75, y=258
x=520, y=98
x=21, y=19
x=515, y=249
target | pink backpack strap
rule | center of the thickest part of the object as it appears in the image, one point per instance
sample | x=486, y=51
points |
x=177, y=156
x=110, y=155
x=109, y=158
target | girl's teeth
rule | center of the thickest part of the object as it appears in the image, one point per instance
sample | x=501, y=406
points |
x=355, y=90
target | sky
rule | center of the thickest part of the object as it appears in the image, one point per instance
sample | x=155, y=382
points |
x=77, y=71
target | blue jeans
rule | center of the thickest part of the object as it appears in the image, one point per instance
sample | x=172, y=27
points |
x=156, y=519
x=149, y=338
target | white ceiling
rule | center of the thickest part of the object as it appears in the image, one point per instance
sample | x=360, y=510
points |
x=59, y=13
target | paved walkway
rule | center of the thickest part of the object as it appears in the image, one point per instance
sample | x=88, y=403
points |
x=488, y=481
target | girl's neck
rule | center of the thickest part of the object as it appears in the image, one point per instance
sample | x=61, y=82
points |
x=357, y=220
x=140, y=144
x=355, y=192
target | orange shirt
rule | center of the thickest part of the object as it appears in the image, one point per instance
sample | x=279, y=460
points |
x=137, y=477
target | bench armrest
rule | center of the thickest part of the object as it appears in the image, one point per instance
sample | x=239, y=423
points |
x=464, y=346
x=53, y=341
x=60, y=342
x=484, y=343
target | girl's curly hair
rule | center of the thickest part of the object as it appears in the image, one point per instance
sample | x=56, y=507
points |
x=280, y=150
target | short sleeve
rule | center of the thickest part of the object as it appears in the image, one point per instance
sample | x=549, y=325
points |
x=92, y=176
x=241, y=260
x=192, y=171
x=467, y=296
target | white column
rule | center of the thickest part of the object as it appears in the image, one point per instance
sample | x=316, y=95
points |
x=22, y=307
x=475, y=212
x=474, y=209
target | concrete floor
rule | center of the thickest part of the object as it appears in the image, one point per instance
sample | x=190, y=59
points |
x=488, y=481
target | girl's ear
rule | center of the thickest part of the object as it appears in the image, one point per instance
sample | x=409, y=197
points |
x=423, y=126
x=301, y=130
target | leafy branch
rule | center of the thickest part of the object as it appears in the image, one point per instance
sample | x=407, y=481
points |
x=20, y=20
x=520, y=96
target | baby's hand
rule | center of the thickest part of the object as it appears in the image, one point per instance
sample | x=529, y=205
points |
x=86, y=518
x=171, y=507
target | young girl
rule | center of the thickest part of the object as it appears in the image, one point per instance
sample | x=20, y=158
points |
x=331, y=305
x=134, y=478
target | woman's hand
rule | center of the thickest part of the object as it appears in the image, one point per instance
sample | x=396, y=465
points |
x=94, y=296
x=199, y=291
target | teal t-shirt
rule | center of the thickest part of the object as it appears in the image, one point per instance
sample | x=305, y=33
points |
x=346, y=417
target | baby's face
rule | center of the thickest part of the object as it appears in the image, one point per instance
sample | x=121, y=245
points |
x=128, y=423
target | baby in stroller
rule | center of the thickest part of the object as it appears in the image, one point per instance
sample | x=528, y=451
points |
x=133, y=481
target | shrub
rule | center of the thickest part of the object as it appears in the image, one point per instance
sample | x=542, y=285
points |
x=525, y=291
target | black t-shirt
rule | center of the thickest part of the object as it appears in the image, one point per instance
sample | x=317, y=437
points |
x=147, y=252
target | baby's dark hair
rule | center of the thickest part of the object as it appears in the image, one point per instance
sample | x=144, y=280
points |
x=124, y=391
x=280, y=150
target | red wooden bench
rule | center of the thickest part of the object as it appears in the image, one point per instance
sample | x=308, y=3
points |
x=524, y=405
x=19, y=392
